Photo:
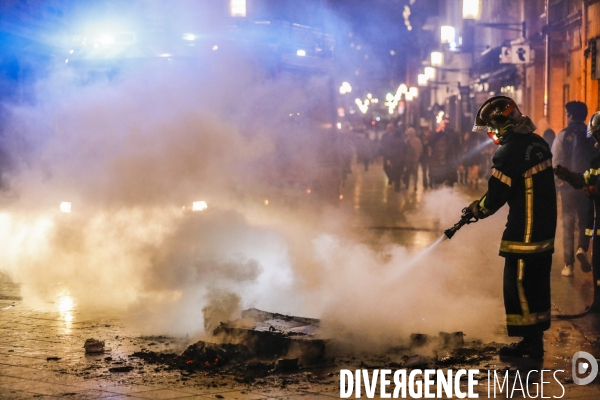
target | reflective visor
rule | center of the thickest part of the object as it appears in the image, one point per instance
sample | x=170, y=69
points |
x=480, y=128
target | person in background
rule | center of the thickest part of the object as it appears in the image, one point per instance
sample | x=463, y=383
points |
x=472, y=158
x=549, y=136
x=413, y=150
x=573, y=150
x=385, y=149
x=425, y=156
x=363, y=150
x=454, y=154
x=397, y=158
x=589, y=184
x=443, y=162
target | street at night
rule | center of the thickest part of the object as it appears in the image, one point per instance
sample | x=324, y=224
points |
x=262, y=199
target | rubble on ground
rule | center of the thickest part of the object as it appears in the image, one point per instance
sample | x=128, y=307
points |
x=93, y=346
x=261, y=343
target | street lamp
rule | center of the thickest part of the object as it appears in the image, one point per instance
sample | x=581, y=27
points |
x=237, y=8
x=437, y=58
x=345, y=88
x=362, y=106
x=422, y=80
x=429, y=73
x=471, y=9
x=448, y=35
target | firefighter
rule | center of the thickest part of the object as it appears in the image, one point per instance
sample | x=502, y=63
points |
x=523, y=178
x=590, y=184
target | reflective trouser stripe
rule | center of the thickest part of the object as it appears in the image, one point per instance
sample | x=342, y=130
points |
x=526, y=317
x=530, y=319
x=522, y=298
x=528, y=208
x=526, y=248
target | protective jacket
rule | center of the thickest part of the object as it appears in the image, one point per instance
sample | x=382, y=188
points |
x=523, y=178
x=591, y=178
x=590, y=182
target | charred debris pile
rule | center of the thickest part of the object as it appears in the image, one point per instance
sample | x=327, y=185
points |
x=261, y=343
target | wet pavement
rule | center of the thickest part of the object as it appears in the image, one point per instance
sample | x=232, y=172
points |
x=42, y=355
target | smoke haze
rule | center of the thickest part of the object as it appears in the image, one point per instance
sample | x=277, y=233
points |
x=132, y=154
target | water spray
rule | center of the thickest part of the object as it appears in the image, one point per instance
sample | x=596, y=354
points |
x=466, y=218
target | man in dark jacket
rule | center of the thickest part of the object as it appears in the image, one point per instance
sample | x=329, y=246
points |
x=523, y=178
x=393, y=152
x=445, y=155
x=573, y=150
x=589, y=181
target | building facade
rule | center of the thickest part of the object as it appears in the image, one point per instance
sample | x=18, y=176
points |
x=542, y=53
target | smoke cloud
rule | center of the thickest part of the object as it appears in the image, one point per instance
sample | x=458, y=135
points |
x=132, y=153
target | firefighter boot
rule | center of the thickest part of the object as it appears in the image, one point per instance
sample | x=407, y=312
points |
x=531, y=346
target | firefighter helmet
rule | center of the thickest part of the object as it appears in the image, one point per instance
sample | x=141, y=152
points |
x=499, y=116
x=593, y=128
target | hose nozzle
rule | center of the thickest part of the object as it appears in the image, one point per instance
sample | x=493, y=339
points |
x=466, y=218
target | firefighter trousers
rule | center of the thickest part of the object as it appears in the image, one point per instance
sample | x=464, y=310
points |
x=527, y=294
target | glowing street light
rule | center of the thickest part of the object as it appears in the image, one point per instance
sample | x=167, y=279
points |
x=429, y=73
x=363, y=107
x=199, y=206
x=106, y=40
x=437, y=58
x=448, y=34
x=422, y=80
x=414, y=92
x=471, y=9
x=345, y=88
x=237, y=8
x=403, y=89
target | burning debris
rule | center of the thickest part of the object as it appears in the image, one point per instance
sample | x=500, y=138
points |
x=270, y=335
x=261, y=343
x=258, y=343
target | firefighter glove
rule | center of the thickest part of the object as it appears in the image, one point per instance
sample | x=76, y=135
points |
x=475, y=210
x=591, y=191
x=561, y=172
